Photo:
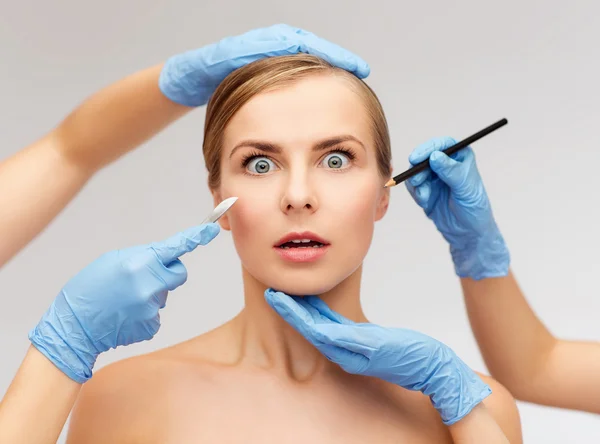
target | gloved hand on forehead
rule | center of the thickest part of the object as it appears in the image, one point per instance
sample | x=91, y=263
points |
x=114, y=301
x=452, y=195
x=190, y=78
x=404, y=357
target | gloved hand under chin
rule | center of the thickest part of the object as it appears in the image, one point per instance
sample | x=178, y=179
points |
x=404, y=357
x=453, y=196
x=114, y=301
x=190, y=78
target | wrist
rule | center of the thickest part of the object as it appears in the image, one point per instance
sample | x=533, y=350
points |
x=478, y=426
x=63, y=357
x=65, y=343
x=481, y=257
x=455, y=389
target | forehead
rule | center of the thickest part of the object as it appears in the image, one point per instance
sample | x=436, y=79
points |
x=310, y=109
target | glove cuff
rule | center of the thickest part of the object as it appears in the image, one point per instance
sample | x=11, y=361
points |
x=472, y=397
x=181, y=82
x=456, y=389
x=483, y=258
x=73, y=357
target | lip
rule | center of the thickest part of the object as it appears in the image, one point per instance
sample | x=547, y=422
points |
x=308, y=254
x=303, y=235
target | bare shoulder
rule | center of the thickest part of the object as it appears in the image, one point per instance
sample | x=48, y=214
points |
x=503, y=407
x=127, y=401
x=110, y=404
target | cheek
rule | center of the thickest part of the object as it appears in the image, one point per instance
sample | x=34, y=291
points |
x=354, y=208
x=249, y=214
x=354, y=201
x=250, y=217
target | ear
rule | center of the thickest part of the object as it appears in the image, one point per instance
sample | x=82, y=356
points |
x=223, y=221
x=383, y=204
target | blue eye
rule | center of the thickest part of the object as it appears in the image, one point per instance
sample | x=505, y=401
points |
x=260, y=165
x=336, y=160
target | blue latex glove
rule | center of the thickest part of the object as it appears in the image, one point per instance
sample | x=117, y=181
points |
x=453, y=196
x=190, y=78
x=404, y=357
x=114, y=301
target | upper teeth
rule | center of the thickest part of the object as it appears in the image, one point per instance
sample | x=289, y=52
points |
x=301, y=241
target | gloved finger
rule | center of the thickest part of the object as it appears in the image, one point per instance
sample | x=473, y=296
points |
x=175, y=274
x=423, y=151
x=153, y=326
x=435, y=187
x=185, y=242
x=293, y=313
x=318, y=314
x=423, y=194
x=419, y=178
x=412, y=191
x=334, y=54
x=348, y=360
x=313, y=312
x=452, y=172
x=422, y=176
x=283, y=39
x=461, y=155
x=160, y=298
x=349, y=337
x=323, y=309
x=335, y=354
x=311, y=44
x=420, y=194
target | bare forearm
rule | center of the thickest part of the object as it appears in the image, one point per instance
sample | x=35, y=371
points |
x=37, y=403
x=478, y=427
x=117, y=119
x=514, y=343
x=523, y=355
x=37, y=182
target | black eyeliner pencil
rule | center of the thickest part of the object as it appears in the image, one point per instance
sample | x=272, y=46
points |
x=449, y=151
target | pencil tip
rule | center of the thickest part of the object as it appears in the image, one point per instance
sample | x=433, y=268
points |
x=389, y=183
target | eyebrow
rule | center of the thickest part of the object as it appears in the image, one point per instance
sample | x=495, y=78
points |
x=272, y=148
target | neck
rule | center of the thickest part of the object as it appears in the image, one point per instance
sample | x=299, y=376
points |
x=269, y=342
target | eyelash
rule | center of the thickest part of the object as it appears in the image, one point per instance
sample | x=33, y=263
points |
x=348, y=152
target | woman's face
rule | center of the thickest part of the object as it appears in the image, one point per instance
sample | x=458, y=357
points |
x=302, y=162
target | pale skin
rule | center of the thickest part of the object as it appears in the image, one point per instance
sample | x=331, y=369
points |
x=523, y=355
x=255, y=379
x=41, y=180
x=44, y=177
x=37, y=403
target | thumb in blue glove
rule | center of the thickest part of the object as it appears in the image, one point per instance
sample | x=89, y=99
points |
x=190, y=78
x=403, y=357
x=114, y=301
x=452, y=195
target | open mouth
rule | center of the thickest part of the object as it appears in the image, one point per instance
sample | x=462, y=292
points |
x=305, y=239
x=301, y=243
x=301, y=247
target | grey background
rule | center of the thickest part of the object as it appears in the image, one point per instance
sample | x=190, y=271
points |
x=440, y=68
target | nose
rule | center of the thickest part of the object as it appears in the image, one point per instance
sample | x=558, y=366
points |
x=299, y=194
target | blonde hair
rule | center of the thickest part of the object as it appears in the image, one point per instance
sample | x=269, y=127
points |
x=273, y=72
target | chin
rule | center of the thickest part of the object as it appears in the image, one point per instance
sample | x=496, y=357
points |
x=306, y=279
x=302, y=289
x=303, y=282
